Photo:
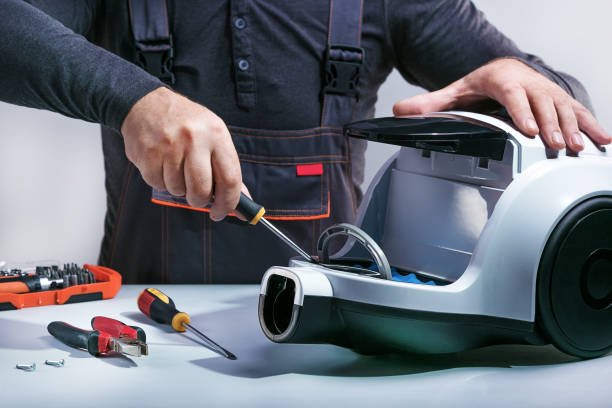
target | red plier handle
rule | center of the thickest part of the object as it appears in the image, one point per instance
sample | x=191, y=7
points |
x=118, y=329
x=94, y=341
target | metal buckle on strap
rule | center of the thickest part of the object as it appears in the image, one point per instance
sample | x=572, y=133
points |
x=157, y=59
x=342, y=70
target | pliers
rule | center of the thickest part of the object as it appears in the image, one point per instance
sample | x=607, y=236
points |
x=109, y=336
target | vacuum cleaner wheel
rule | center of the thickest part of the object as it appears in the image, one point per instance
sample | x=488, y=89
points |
x=574, y=289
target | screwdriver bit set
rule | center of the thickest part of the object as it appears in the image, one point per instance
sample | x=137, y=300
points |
x=57, y=278
x=51, y=284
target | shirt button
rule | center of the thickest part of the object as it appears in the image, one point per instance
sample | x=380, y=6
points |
x=240, y=23
x=243, y=64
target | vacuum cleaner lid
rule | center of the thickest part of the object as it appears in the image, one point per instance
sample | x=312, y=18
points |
x=438, y=132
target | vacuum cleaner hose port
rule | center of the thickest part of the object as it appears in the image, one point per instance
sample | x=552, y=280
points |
x=297, y=309
x=278, y=304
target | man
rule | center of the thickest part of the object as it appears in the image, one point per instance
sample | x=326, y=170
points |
x=256, y=108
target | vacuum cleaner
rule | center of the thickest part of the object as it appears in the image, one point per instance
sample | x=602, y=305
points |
x=471, y=235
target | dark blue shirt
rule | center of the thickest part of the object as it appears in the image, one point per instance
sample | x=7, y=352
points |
x=280, y=45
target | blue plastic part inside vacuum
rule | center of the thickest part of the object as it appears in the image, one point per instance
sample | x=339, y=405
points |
x=398, y=277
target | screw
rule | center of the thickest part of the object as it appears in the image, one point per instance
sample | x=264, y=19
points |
x=26, y=367
x=55, y=363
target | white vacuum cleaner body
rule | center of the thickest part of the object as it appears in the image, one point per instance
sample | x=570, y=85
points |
x=490, y=238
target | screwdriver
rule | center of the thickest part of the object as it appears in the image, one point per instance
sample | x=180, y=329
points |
x=254, y=212
x=29, y=283
x=46, y=278
x=159, y=307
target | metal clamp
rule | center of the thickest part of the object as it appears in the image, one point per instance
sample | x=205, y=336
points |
x=360, y=236
x=342, y=70
x=158, y=59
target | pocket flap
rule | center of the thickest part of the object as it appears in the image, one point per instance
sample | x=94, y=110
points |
x=289, y=172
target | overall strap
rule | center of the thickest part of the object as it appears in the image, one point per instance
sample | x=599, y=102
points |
x=343, y=59
x=152, y=37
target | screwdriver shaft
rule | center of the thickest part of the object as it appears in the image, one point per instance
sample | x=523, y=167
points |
x=211, y=344
x=286, y=239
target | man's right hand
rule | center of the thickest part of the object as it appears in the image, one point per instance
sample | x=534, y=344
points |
x=183, y=148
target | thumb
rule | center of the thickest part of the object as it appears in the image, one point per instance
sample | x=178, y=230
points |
x=441, y=100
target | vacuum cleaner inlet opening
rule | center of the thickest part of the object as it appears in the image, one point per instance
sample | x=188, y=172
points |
x=278, y=306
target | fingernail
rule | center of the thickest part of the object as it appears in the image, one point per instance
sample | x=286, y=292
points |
x=558, y=137
x=215, y=217
x=577, y=139
x=531, y=125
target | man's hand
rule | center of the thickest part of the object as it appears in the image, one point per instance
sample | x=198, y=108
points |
x=182, y=147
x=536, y=104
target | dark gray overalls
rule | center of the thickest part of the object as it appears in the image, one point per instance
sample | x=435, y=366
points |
x=302, y=177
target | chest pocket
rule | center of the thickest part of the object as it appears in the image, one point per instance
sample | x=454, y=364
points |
x=295, y=174
x=291, y=172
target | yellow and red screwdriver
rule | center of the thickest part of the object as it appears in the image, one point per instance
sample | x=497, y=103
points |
x=253, y=214
x=159, y=307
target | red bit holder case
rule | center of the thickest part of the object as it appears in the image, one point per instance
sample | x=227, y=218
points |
x=108, y=283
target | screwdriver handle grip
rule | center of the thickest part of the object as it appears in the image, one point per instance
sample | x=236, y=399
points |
x=95, y=342
x=20, y=284
x=250, y=209
x=118, y=329
x=159, y=307
x=13, y=285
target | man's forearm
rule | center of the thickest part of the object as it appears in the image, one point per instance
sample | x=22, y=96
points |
x=47, y=66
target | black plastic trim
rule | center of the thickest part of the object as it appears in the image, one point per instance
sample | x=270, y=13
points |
x=440, y=317
x=84, y=297
x=444, y=133
x=7, y=306
x=375, y=329
x=593, y=300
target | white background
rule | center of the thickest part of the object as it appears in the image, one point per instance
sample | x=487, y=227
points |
x=52, y=197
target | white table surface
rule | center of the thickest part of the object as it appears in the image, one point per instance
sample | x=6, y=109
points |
x=180, y=372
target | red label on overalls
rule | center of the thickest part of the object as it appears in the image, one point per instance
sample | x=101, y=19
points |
x=313, y=169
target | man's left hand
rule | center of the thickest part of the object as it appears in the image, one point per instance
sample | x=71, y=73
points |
x=536, y=104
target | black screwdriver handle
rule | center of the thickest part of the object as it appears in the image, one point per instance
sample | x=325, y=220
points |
x=250, y=209
x=93, y=341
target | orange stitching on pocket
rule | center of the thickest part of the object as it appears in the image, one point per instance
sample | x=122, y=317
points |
x=303, y=210
x=207, y=210
x=301, y=218
x=271, y=217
